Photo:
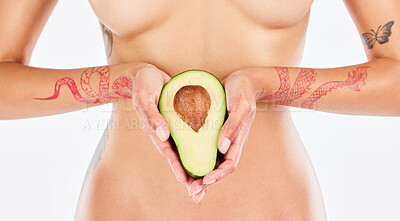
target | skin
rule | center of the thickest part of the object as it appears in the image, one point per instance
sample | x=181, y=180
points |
x=243, y=43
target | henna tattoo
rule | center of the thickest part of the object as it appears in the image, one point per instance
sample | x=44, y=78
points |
x=108, y=40
x=285, y=95
x=303, y=82
x=353, y=82
x=120, y=84
x=284, y=87
x=381, y=35
x=93, y=97
x=301, y=85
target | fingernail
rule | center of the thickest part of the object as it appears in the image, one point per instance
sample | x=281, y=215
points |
x=210, y=182
x=173, y=170
x=225, y=145
x=197, y=199
x=187, y=187
x=180, y=179
x=161, y=133
x=196, y=192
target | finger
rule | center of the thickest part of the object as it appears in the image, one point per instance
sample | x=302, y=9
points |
x=146, y=90
x=173, y=159
x=145, y=94
x=151, y=118
x=225, y=168
x=189, y=182
x=166, y=77
x=196, y=187
x=231, y=160
x=178, y=170
x=198, y=197
x=233, y=126
x=168, y=154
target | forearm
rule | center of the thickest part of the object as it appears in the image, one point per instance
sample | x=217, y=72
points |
x=371, y=88
x=32, y=92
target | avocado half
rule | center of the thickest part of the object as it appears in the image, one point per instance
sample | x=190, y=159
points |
x=194, y=107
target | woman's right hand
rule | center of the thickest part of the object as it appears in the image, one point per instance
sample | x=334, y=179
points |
x=146, y=88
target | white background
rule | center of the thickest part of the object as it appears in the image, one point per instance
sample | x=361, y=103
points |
x=43, y=160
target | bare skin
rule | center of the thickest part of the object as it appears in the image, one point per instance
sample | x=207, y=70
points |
x=241, y=43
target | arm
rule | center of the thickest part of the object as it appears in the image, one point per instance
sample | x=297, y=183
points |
x=31, y=92
x=371, y=88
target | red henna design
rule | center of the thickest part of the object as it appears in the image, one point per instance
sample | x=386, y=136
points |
x=301, y=85
x=120, y=84
x=97, y=97
x=353, y=82
x=104, y=73
x=284, y=87
x=72, y=86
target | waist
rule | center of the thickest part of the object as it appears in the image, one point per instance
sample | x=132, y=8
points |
x=273, y=177
x=272, y=121
x=272, y=130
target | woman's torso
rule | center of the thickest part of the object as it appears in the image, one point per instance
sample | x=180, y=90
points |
x=274, y=179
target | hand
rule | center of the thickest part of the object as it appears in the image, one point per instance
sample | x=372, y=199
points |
x=146, y=88
x=241, y=107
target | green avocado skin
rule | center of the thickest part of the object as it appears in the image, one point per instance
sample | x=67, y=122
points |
x=199, y=164
x=194, y=175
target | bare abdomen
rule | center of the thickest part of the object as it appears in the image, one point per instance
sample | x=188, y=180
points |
x=274, y=179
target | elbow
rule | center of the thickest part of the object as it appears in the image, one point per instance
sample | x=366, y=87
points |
x=18, y=58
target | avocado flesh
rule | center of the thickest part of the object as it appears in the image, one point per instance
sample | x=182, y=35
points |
x=197, y=150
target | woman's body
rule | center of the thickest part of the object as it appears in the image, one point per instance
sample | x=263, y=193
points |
x=128, y=180
x=274, y=178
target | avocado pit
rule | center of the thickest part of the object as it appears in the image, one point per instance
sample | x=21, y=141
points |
x=192, y=104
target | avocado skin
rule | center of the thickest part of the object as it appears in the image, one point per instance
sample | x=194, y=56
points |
x=194, y=175
x=214, y=157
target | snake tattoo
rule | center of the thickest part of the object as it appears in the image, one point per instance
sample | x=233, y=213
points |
x=93, y=97
x=304, y=81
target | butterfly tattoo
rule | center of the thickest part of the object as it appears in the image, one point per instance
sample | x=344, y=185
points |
x=381, y=35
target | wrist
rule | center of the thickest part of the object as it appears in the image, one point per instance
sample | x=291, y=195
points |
x=136, y=67
x=127, y=70
x=122, y=76
x=257, y=76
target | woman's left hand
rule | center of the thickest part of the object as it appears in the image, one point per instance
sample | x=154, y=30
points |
x=241, y=109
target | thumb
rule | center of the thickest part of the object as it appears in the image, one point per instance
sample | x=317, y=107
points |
x=234, y=124
x=157, y=123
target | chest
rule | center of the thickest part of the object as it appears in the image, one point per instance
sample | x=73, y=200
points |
x=130, y=17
